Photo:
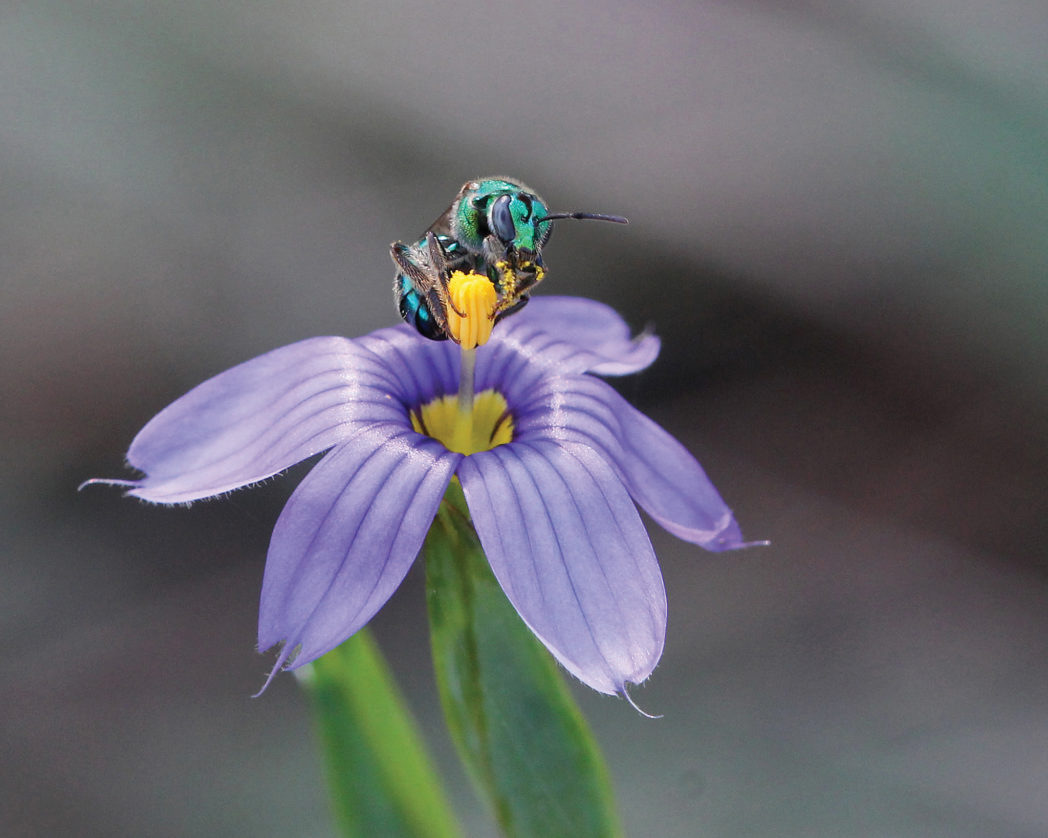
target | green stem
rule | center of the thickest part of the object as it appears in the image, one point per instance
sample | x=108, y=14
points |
x=513, y=720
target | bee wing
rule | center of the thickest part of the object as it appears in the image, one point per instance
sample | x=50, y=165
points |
x=427, y=270
x=409, y=261
x=442, y=226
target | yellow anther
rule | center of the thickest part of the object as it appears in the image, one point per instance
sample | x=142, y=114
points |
x=473, y=295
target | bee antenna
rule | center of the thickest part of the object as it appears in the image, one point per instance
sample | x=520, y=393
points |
x=591, y=216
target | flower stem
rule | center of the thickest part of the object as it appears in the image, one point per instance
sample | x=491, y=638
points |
x=512, y=718
x=463, y=435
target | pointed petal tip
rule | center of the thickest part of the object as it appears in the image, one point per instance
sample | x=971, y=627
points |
x=286, y=654
x=630, y=355
x=106, y=481
x=729, y=545
x=143, y=491
x=728, y=537
x=724, y=544
x=622, y=691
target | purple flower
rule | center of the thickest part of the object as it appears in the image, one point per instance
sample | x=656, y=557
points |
x=553, y=506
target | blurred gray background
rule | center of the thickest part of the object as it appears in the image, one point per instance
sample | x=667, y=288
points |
x=840, y=229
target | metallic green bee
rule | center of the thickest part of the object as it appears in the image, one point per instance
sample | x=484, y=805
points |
x=496, y=226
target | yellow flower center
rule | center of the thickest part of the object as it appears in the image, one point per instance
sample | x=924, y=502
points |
x=473, y=295
x=492, y=422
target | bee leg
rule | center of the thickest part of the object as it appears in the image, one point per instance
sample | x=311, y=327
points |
x=440, y=270
x=511, y=307
x=516, y=279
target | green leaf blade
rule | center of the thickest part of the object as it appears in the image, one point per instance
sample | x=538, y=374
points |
x=381, y=780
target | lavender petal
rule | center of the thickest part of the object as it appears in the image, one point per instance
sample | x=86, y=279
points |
x=568, y=547
x=574, y=335
x=260, y=417
x=347, y=537
x=659, y=472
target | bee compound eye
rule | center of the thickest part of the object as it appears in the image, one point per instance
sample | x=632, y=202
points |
x=500, y=220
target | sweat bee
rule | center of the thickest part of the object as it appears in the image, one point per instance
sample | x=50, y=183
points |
x=496, y=226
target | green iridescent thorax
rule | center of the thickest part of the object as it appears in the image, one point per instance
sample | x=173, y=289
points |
x=467, y=224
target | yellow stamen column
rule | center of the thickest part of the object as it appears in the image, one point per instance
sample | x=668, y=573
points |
x=470, y=316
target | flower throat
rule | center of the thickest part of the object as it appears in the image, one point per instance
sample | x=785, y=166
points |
x=492, y=423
